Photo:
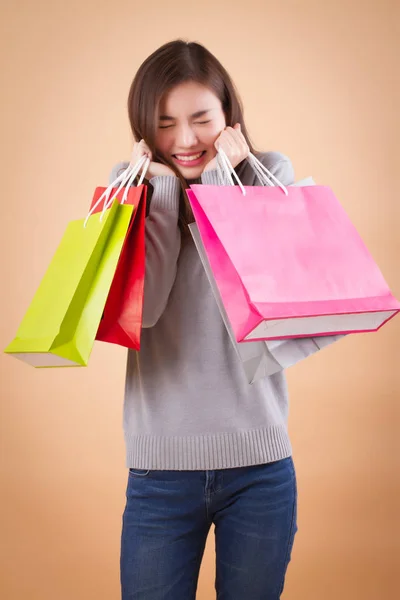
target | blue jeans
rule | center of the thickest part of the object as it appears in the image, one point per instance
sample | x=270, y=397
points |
x=167, y=518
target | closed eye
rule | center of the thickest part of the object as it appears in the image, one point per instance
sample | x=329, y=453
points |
x=198, y=123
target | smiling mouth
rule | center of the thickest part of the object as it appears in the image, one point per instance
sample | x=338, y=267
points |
x=191, y=158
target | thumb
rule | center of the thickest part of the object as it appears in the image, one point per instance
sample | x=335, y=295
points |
x=237, y=126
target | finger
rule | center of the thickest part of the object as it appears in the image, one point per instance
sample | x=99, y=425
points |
x=144, y=147
x=140, y=149
x=225, y=143
x=227, y=140
x=238, y=137
x=231, y=143
x=234, y=144
x=237, y=130
x=217, y=142
x=234, y=134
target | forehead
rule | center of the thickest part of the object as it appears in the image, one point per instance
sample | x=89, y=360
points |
x=187, y=98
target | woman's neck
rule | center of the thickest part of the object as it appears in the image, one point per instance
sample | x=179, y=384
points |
x=193, y=181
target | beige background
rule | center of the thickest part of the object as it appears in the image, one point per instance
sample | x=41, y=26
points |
x=318, y=83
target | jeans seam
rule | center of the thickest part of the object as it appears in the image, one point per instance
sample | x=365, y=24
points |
x=290, y=541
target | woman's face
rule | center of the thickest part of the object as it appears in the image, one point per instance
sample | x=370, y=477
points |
x=190, y=120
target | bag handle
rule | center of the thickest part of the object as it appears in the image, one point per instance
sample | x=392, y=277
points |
x=127, y=176
x=224, y=163
x=133, y=171
x=264, y=175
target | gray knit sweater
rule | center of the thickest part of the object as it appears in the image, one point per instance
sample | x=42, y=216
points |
x=188, y=404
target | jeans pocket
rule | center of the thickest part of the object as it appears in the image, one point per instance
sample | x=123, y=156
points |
x=139, y=472
x=289, y=461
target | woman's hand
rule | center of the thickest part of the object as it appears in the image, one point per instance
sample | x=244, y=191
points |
x=141, y=149
x=233, y=142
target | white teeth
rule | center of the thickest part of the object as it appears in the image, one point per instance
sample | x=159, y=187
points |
x=189, y=158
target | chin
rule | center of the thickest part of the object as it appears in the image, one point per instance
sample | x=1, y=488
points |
x=189, y=173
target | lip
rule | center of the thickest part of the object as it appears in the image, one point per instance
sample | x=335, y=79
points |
x=192, y=163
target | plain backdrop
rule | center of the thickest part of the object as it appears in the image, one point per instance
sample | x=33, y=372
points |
x=319, y=82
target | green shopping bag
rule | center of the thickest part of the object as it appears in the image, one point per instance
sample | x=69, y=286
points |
x=60, y=326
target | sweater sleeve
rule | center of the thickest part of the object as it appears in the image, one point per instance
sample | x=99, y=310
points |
x=210, y=177
x=163, y=242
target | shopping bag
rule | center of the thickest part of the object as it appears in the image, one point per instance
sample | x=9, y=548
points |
x=60, y=325
x=261, y=359
x=121, y=322
x=288, y=262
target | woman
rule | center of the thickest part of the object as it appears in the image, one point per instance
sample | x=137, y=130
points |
x=202, y=445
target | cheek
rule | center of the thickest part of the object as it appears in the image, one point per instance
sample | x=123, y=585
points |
x=211, y=135
x=163, y=142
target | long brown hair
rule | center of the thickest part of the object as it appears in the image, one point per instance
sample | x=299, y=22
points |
x=172, y=64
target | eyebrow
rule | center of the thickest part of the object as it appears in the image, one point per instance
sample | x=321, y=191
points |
x=195, y=115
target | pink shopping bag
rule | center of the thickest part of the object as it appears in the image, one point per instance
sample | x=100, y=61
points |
x=289, y=266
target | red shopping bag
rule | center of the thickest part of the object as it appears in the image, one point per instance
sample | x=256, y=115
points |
x=121, y=322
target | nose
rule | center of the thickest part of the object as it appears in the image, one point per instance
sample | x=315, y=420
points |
x=185, y=137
